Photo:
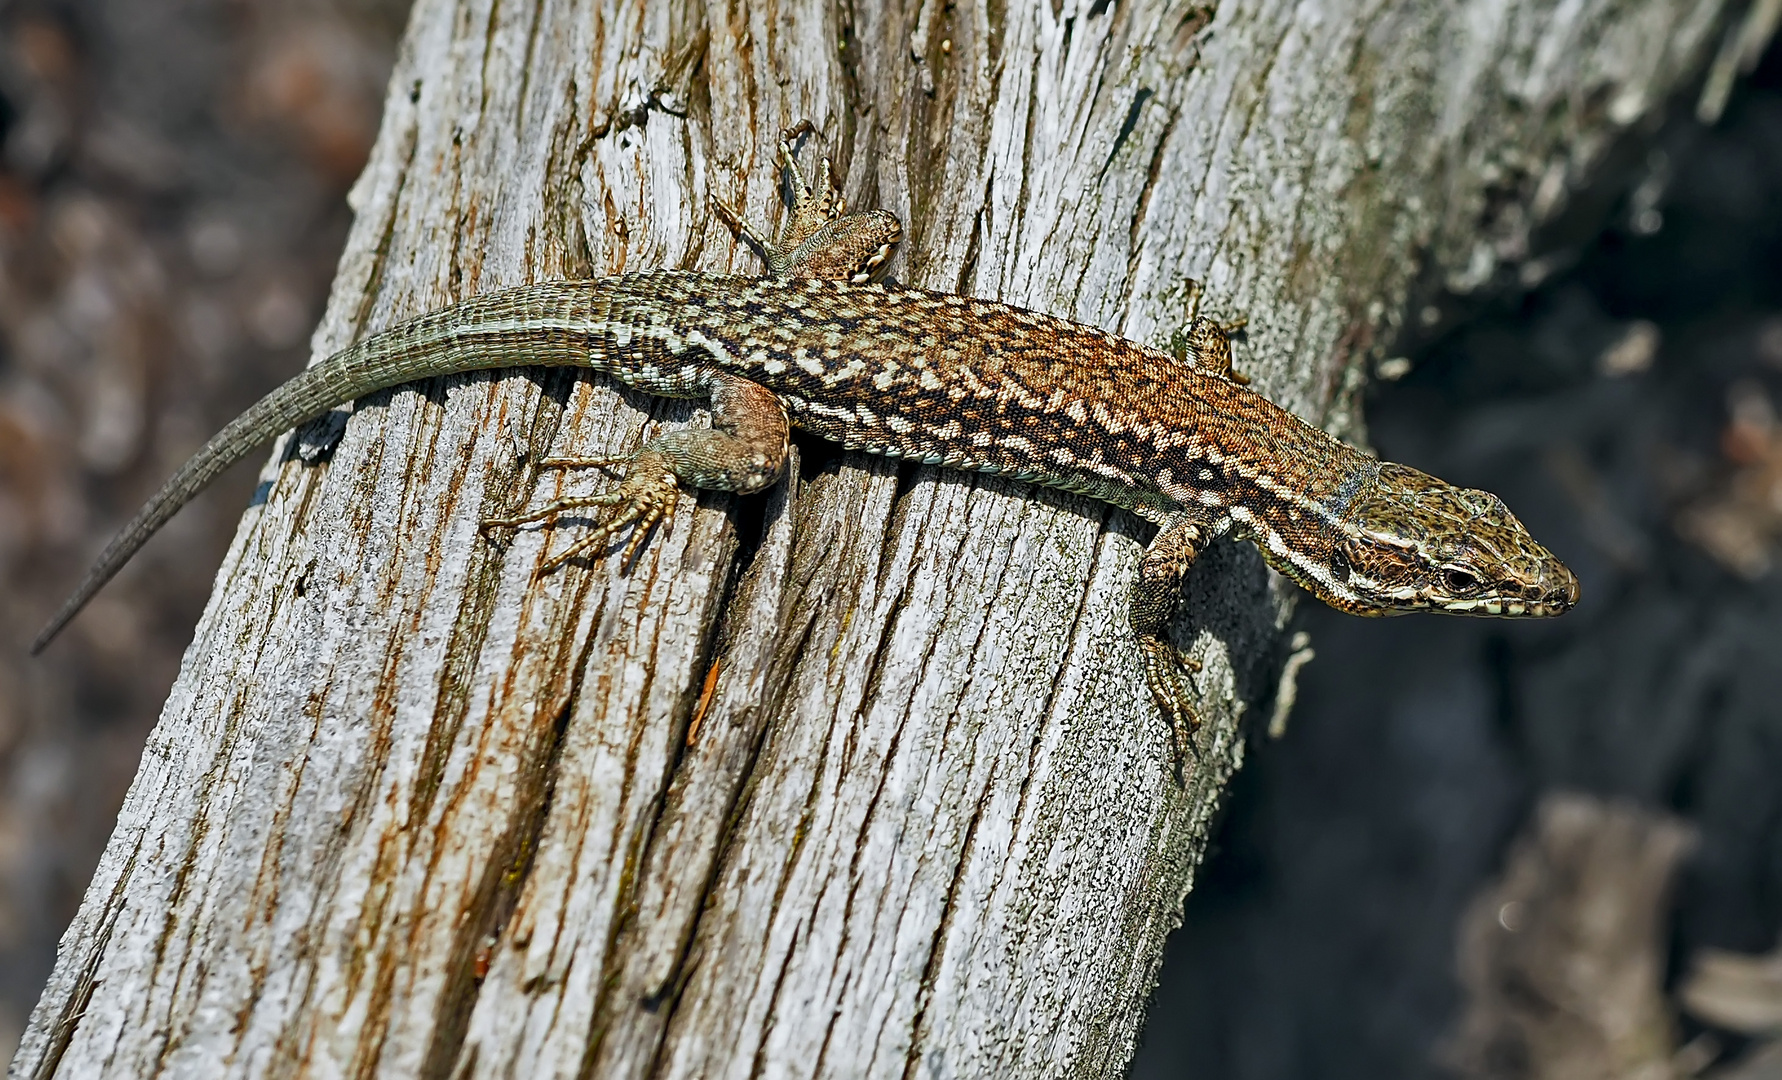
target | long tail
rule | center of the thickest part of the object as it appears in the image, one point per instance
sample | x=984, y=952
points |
x=534, y=325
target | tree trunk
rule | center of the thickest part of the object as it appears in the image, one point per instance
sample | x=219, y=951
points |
x=860, y=777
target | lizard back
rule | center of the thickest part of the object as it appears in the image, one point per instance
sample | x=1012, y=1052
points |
x=892, y=370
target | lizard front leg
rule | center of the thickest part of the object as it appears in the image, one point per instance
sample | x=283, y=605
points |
x=744, y=451
x=1155, y=597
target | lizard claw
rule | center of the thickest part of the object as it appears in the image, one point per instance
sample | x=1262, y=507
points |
x=587, y=462
x=646, y=498
x=643, y=507
x=745, y=232
x=1169, y=689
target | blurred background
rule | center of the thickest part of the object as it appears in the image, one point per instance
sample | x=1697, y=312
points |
x=1479, y=849
x=173, y=177
x=1497, y=849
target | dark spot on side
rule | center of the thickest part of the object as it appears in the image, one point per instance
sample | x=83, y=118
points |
x=1351, y=487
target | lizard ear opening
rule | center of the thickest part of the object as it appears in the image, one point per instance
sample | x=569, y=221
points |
x=1378, y=573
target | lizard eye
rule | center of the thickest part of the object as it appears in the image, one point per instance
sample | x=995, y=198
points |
x=1458, y=580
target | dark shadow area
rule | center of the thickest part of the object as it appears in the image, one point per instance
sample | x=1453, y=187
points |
x=1626, y=410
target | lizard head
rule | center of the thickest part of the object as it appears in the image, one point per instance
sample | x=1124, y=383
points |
x=1413, y=543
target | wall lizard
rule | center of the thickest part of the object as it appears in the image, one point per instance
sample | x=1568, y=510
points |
x=820, y=343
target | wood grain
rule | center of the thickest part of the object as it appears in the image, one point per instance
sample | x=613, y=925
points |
x=412, y=809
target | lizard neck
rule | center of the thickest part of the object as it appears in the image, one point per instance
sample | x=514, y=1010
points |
x=1271, y=477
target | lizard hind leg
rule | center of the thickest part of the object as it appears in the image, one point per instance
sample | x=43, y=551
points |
x=1206, y=347
x=644, y=499
x=1205, y=344
x=744, y=451
x=819, y=238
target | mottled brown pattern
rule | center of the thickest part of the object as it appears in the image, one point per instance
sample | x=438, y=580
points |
x=967, y=384
x=978, y=385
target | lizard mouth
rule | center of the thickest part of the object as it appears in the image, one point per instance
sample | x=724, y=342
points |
x=1553, y=592
x=1505, y=607
x=1556, y=600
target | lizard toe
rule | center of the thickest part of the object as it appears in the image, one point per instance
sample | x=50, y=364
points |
x=1169, y=687
x=644, y=500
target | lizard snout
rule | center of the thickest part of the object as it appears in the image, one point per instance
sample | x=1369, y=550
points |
x=1557, y=589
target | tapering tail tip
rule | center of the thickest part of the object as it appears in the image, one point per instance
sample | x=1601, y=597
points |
x=65, y=615
x=49, y=631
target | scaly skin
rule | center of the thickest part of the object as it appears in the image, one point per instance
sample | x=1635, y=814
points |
x=947, y=380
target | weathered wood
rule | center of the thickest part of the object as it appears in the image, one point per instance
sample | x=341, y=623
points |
x=859, y=778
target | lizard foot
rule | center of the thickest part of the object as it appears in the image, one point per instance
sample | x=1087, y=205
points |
x=587, y=462
x=819, y=238
x=1169, y=689
x=646, y=498
x=1205, y=346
